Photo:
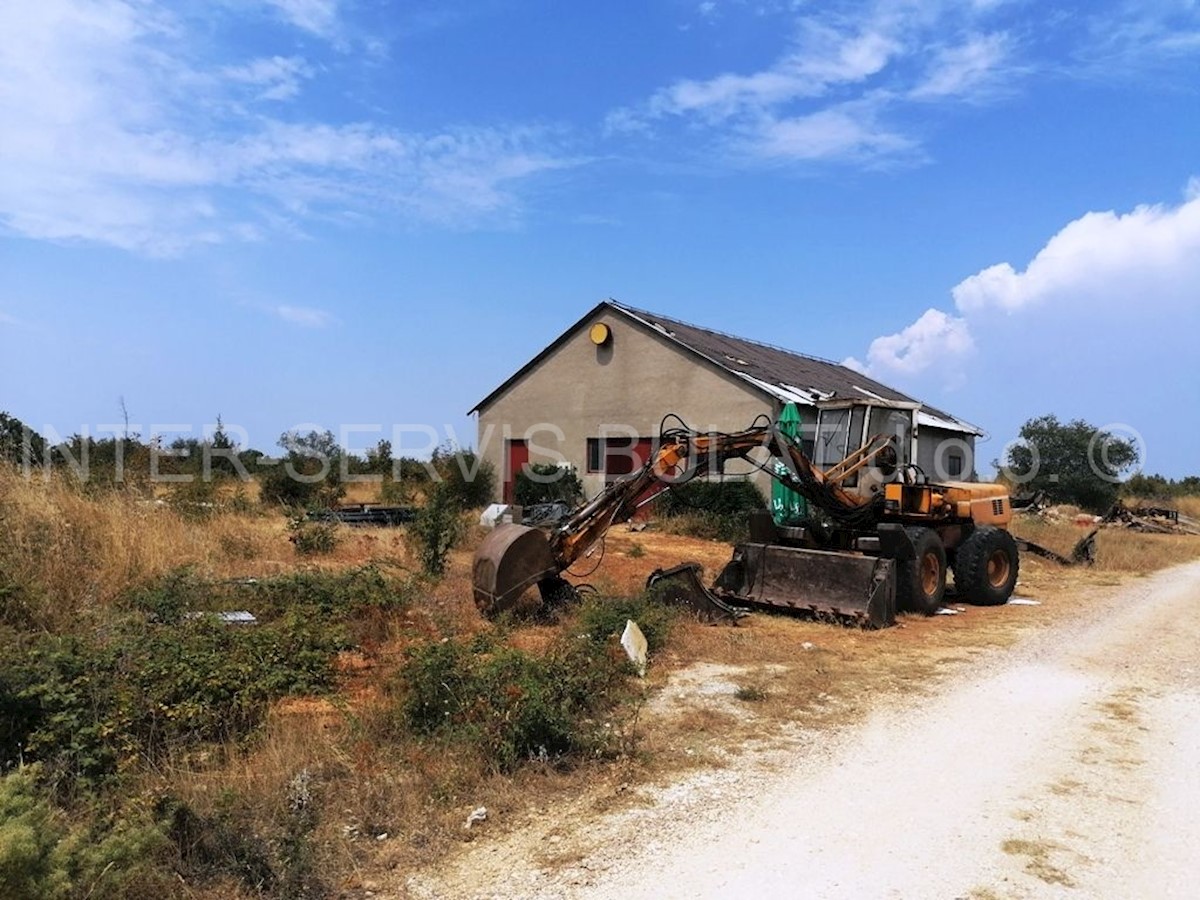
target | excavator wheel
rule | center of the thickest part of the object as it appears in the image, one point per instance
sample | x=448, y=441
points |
x=986, y=566
x=921, y=581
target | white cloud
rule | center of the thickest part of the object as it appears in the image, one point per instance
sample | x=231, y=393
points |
x=319, y=17
x=275, y=78
x=1100, y=266
x=934, y=338
x=844, y=132
x=304, y=316
x=848, y=68
x=963, y=69
x=822, y=59
x=1131, y=38
x=117, y=131
x=1150, y=255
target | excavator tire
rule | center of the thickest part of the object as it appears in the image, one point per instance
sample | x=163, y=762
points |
x=986, y=567
x=921, y=581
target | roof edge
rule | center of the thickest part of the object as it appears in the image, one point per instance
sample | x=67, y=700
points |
x=542, y=354
x=646, y=320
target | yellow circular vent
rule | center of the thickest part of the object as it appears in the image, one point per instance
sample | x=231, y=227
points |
x=600, y=334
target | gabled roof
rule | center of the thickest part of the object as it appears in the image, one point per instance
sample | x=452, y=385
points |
x=781, y=374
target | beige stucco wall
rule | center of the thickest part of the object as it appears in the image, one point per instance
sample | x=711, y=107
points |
x=629, y=384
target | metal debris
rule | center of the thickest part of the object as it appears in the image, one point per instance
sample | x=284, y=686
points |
x=1154, y=519
x=366, y=514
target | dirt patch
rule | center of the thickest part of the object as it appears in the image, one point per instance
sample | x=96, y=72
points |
x=1038, y=860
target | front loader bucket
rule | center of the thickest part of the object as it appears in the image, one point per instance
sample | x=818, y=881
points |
x=682, y=586
x=849, y=586
x=510, y=560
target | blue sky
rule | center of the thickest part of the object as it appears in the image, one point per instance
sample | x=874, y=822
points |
x=313, y=211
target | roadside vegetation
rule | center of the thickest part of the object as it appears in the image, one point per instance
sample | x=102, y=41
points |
x=152, y=745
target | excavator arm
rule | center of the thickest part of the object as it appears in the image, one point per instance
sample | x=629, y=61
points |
x=514, y=557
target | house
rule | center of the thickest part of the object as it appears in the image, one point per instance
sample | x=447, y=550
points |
x=595, y=398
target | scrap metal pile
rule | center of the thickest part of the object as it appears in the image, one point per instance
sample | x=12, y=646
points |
x=1150, y=519
x=1154, y=519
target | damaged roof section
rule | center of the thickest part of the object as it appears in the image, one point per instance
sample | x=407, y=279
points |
x=786, y=375
x=781, y=374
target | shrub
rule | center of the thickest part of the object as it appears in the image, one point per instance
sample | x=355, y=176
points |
x=719, y=498
x=602, y=617
x=20, y=444
x=715, y=510
x=29, y=835
x=85, y=705
x=308, y=475
x=547, y=483
x=195, y=500
x=468, y=480
x=43, y=854
x=313, y=538
x=508, y=706
x=436, y=529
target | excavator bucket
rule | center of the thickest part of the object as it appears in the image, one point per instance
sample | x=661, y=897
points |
x=682, y=586
x=824, y=583
x=510, y=560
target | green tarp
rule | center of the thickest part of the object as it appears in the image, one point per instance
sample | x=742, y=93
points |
x=787, y=507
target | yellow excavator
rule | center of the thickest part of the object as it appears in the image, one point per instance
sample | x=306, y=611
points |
x=886, y=540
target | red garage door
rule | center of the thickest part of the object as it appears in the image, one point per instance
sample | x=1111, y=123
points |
x=516, y=455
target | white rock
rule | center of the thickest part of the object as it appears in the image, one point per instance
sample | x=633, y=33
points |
x=635, y=646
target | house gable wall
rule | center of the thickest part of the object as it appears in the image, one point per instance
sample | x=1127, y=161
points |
x=629, y=384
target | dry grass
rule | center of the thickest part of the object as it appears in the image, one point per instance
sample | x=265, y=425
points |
x=1189, y=506
x=1117, y=549
x=81, y=550
x=795, y=676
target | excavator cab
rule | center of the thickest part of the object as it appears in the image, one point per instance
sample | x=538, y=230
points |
x=845, y=428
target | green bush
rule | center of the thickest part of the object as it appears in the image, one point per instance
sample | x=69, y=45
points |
x=1156, y=487
x=508, y=706
x=313, y=538
x=718, y=498
x=547, y=483
x=332, y=597
x=436, y=529
x=467, y=480
x=163, y=677
x=46, y=854
x=276, y=858
x=602, y=617
x=708, y=527
x=714, y=510
x=88, y=707
x=309, y=475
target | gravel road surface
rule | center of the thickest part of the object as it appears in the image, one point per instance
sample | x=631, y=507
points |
x=1068, y=767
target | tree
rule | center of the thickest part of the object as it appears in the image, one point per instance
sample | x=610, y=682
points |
x=310, y=472
x=1073, y=462
x=20, y=444
x=470, y=479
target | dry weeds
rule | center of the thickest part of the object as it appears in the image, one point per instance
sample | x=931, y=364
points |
x=795, y=677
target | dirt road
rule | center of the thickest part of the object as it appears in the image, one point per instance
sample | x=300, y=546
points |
x=1069, y=767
